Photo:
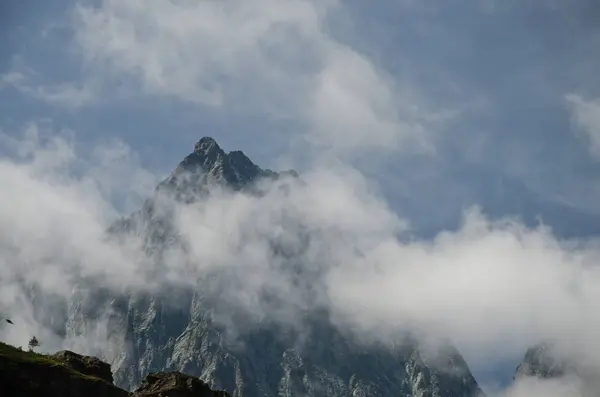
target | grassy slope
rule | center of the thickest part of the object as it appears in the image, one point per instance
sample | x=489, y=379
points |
x=11, y=357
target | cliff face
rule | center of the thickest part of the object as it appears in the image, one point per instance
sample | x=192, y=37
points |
x=67, y=374
x=266, y=362
x=186, y=329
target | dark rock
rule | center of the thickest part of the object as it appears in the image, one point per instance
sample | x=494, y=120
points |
x=209, y=165
x=86, y=365
x=29, y=374
x=175, y=384
x=67, y=374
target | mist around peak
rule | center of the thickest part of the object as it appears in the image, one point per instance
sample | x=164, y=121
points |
x=493, y=287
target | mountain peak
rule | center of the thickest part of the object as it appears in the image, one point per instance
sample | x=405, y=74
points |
x=208, y=163
x=206, y=145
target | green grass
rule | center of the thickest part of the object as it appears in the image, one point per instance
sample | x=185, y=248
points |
x=16, y=355
x=11, y=356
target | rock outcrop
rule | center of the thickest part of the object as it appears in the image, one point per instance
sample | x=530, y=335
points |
x=67, y=374
x=87, y=365
x=174, y=384
x=27, y=374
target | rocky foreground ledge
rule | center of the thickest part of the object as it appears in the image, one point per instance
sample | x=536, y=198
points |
x=67, y=374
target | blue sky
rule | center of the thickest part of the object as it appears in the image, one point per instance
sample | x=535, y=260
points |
x=441, y=104
x=485, y=83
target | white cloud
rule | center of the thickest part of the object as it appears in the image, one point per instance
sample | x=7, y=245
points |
x=353, y=105
x=586, y=116
x=277, y=59
x=534, y=387
x=484, y=286
x=187, y=48
x=66, y=94
x=54, y=218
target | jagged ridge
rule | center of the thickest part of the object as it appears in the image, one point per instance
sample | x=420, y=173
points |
x=208, y=165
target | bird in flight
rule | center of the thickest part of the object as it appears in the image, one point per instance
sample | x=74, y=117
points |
x=9, y=321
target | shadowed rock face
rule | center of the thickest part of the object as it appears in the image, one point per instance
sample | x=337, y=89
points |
x=175, y=384
x=186, y=333
x=86, y=365
x=67, y=374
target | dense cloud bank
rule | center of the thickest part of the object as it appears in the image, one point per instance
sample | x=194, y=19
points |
x=493, y=287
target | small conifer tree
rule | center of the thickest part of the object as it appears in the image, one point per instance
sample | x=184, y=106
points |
x=33, y=343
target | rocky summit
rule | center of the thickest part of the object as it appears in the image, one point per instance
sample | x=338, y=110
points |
x=67, y=374
x=191, y=330
x=209, y=165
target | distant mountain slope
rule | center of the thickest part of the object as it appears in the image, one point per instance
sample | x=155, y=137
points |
x=541, y=361
x=544, y=362
x=187, y=329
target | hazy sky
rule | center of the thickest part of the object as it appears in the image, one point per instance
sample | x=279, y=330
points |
x=421, y=109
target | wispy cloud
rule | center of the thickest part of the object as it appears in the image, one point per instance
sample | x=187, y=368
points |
x=586, y=117
x=562, y=387
x=71, y=95
x=274, y=59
